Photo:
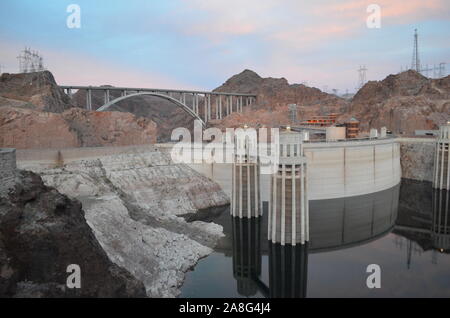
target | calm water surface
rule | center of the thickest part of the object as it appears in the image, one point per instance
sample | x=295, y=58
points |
x=405, y=230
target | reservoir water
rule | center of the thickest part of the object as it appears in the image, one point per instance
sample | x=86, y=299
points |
x=405, y=230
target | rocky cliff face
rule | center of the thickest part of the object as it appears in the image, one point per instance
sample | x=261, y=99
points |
x=417, y=158
x=41, y=233
x=403, y=103
x=135, y=203
x=26, y=128
x=39, y=90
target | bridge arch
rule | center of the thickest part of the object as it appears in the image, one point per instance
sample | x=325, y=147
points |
x=169, y=98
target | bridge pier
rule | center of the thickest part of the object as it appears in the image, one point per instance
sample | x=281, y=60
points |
x=106, y=96
x=220, y=107
x=209, y=107
x=89, y=99
x=288, y=212
x=441, y=178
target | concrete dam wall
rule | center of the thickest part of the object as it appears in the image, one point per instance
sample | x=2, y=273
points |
x=344, y=169
x=335, y=169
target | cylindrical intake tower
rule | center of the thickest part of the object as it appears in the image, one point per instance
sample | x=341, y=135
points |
x=441, y=178
x=246, y=199
x=288, y=207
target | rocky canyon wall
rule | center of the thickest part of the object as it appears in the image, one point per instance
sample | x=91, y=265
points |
x=417, y=158
x=134, y=202
x=42, y=232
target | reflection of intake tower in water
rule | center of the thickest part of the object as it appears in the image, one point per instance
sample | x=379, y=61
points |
x=440, y=231
x=246, y=254
x=246, y=200
x=288, y=212
x=442, y=163
x=334, y=224
x=288, y=270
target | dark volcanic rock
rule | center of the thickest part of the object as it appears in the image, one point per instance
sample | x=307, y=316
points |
x=41, y=233
x=38, y=88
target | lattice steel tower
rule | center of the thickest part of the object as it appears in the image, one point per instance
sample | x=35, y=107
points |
x=362, y=76
x=415, y=64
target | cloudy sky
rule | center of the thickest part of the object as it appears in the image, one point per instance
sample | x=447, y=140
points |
x=200, y=43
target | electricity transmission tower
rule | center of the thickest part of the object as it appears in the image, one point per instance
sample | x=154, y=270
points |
x=361, y=76
x=415, y=64
x=30, y=61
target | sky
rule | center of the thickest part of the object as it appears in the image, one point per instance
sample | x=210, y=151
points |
x=198, y=44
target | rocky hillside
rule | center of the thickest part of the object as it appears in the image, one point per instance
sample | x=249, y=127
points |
x=35, y=90
x=26, y=128
x=403, y=102
x=35, y=113
x=41, y=233
x=273, y=97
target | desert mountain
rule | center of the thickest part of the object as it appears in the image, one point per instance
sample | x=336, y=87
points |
x=273, y=97
x=403, y=102
x=36, y=90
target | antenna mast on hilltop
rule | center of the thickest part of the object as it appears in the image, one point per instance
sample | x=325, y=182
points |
x=415, y=64
x=362, y=76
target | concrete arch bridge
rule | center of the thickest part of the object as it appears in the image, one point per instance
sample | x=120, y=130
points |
x=202, y=105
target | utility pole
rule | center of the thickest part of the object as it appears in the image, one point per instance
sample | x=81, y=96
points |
x=415, y=64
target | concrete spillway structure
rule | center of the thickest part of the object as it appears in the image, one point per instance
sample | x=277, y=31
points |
x=288, y=204
x=246, y=198
x=441, y=178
